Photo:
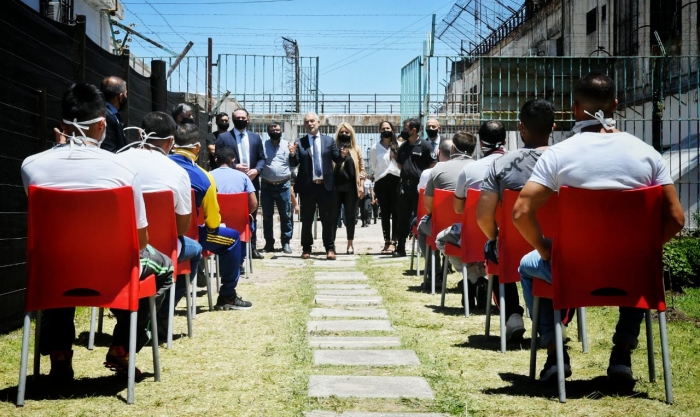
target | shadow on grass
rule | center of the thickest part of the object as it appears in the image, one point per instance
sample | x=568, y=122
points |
x=456, y=311
x=493, y=343
x=593, y=389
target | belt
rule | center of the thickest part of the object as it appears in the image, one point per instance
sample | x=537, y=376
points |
x=274, y=182
x=317, y=181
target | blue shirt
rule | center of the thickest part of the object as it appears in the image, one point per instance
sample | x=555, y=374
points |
x=231, y=181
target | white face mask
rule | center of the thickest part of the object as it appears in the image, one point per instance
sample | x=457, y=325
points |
x=144, y=141
x=599, y=119
x=84, y=126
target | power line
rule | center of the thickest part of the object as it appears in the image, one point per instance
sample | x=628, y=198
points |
x=166, y=22
x=189, y=3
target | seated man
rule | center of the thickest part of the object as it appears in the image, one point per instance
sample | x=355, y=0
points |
x=221, y=241
x=454, y=155
x=597, y=157
x=492, y=138
x=80, y=164
x=157, y=172
x=511, y=172
x=231, y=181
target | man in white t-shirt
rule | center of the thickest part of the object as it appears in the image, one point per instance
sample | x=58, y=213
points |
x=598, y=157
x=81, y=165
x=157, y=172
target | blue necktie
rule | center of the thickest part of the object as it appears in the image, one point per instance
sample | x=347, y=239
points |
x=317, y=159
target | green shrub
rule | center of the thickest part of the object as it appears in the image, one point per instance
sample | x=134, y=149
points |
x=682, y=262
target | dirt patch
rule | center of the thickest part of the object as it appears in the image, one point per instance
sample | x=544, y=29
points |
x=675, y=315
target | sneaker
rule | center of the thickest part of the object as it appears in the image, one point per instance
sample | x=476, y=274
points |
x=61, y=366
x=232, y=303
x=286, y=248
x=117, y=360
x=620, y=366
x=515, y=328
x=550, y=367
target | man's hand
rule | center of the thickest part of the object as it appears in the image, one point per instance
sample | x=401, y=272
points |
x=293, y=148
x=252, y=173
x=242, y=167
x=296, y=209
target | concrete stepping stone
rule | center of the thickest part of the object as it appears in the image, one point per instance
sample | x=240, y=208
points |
x=341, y=300
x=342, y=276
x=284, y=263
x=349, y=326
x=368, y=291
x=319, y=413
x=339, y=342
x=366, y=357
x=360, y=313
x=334, y=264
x=369, y=386
x=342, y=286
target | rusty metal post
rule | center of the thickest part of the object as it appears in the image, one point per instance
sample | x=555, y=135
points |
x=209, y=77
x=159, y=86
x=80, y=48
x=125, y=57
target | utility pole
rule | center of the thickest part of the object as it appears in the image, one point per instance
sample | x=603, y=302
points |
x=291, y=47
x=210, y=64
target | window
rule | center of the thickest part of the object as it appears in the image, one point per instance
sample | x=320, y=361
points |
x=591, y=21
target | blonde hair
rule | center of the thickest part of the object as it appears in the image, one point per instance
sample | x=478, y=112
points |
x=356, y=154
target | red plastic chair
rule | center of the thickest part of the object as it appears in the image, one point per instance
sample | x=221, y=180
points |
x=234, y=213
x=607, y=251
x=60, y=276
x=420, y=212
x=444, y=216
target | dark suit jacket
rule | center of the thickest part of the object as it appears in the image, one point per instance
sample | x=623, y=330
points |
x=115, y=138
x=303, y=159
x=256, y=152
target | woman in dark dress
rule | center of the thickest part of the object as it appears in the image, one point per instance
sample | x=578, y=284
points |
x=348, y=179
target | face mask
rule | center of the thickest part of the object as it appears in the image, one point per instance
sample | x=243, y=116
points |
x=275, y=135
x=240, y=124
x=432, y=133
x=344, y=138
x=222, y=126
x=599, y=119
x=187, y=120
x=405, y=135
x=387, y=134
x=122, y=102
x=84, y=126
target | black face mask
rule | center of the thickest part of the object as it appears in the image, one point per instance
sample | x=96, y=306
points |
x=222, y=126
x=344, y=138
x=187, y=120
x=432, y=133
x=405, y=135
x=387, y=134
x=275, y=135
x=122, y=102
x=240, y=124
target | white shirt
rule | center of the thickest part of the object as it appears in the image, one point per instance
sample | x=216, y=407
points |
x=367, y=185
x=157, y=172
x=424, y=178
x=597, y=161
x=243, y=145
x=473, y=174
x=381, y=162
x=318, y=143
x=80, y=167
x=437, y=140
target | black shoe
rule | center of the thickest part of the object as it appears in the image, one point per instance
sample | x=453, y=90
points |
x=286, y=248
x=399, y=253
x=201, y=274
x=550, y=367
x=482, y=285
x=61, y=366
x=232, y=303
x=269, y=249
x=257, y=255
x=620, y=366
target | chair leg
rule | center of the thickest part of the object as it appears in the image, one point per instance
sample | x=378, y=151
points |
x=418, y=256
x=502, y=305
x=211, y=262
x=100, y=320
x=24, y=357
x=189, y=301
x=465, y=290
x=650, y=346
x=665, y=357
x=154, y=338
x=432, y=271
x=193, y=287
x=171, y=316
x=218, y=275
x=413, y=252
x=583, y=333
x=533, y=339
x=91, y=337
x=489, y=290
x=444, y=283
x=132, y=358
x=561, y=376
x=248, y=255
x=250, y=259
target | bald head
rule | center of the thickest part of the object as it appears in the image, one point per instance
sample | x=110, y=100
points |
x=445, y=149
x=114, y=90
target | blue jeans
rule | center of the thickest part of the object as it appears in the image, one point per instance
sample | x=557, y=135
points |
x=532, y=266
x=226, y=244
x=271, y=195
x=191, y=250
x=244, y=245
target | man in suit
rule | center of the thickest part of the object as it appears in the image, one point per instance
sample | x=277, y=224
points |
x=249, y=158
x=315, y=154
x=114, y=90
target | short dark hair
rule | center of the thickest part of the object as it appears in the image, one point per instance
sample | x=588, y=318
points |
x=538, y=116
x=159, y=123
x=239, y=109
x=219, y=116
x=225, y=155
x=83, y=102
x=464, y=141
x=445, y=148
x=492, y=132
x=112, y=86
x=273, y=124
x=413, y=124
x=181, y=109
x=595, y=91
x=187, y=134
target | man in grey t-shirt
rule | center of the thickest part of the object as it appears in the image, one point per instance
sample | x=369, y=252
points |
x=511, y=172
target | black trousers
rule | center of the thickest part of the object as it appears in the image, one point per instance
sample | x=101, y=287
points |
x=385, y=190
x=511, y=297
x=350, y=201
x=317, y=196
x=365, y=209
x=407, y=205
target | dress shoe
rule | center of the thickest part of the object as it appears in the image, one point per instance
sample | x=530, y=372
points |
x=286, y=248
x=399, y=253
x=331, y=255
x=257, y=255
x=269, y=248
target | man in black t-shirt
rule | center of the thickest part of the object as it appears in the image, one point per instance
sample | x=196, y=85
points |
x=414, y=156
x=222, y=125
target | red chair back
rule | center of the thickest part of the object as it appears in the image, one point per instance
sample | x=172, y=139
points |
x=420, y=212
x=162, y=226
x=608, y=249
x=444, y=214
x=472, y=238
x=82, y=249
x=511, y=244
x=197, y=219
x=234, y=213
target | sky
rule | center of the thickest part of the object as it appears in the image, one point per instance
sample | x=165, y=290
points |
x=361, y=44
